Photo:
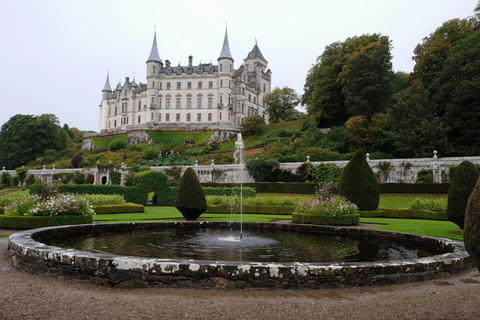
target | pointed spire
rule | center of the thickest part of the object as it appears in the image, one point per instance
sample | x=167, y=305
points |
x=134, y=84
x=107, y=84
x=225, y=54
x=154, y=52
x=255, y=53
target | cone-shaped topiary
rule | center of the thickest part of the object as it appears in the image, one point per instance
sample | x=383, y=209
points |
x=358, y=183
x=463, y=182
x=471, y=235
x=190, y=200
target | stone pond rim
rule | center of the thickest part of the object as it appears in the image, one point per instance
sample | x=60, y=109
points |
x=27, y=252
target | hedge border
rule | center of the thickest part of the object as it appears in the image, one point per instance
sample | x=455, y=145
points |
x=22, y=222
x=405, y=214
x=345, y=220
x=119, y=208
x=252, y=209
x=309, y=188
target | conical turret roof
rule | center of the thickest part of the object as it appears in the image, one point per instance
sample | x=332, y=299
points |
x=154, y=52
x=107, y=84
x=225, y=54
x=256, y=53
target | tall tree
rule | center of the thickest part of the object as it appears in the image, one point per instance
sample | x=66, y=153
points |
x=26, y=137
x=351, y=78
x=417, y=131
x=281, y=103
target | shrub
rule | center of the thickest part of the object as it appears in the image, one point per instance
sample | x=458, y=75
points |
x=326, y=207
x=31, y=179
x=155, y=181
x=190, y=200
x=253, y=125
x=44, y=190
x=103, y=199
x=76, y=160
x=90, y=178
x=117, y=145
x=463, y=182
x=78, y=178
x=151, y=152
x=358, y=183
x=175, y=173
x=21, y=173
x=323, y=172
x=21, y=222
x=53, y=206
x=471, y=235
x=130, y=194
x=436, y=205
x=424, y=176
x=129, y=178
x=115, y=177
x=262, y=169
x=5, y=179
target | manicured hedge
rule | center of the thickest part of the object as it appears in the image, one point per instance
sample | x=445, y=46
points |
x=22, y=222
x=247, y=192
x=119, y=208
x=405, y=214
x=309, y=188
x=346, y=220
x=130, y=194
x=251, y=209
x=439, y=188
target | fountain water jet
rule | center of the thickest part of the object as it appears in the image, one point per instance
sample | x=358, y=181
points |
x=238, y=156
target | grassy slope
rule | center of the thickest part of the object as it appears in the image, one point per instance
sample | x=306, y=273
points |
x=290, y=125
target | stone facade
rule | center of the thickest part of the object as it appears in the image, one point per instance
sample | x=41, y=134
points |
x=191, y=97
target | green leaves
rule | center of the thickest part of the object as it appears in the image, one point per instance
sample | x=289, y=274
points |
x=281, y=103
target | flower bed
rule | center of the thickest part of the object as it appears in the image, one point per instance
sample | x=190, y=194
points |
x=251, y=209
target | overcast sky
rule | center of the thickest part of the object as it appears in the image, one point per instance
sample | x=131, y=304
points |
x=54, y=54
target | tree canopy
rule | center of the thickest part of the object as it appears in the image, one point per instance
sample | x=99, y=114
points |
x=26, y=137
x=281, y=103
x=351, y=78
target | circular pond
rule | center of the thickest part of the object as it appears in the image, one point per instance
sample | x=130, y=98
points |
x=211, y=254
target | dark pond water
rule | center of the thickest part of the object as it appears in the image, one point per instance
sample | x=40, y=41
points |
x=255, y=246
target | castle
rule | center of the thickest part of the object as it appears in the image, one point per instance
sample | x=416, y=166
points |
x=203, y=97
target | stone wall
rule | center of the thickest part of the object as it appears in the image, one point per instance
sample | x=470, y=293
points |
x=401, y=170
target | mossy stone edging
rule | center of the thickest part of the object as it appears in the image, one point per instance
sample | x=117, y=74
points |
x=346, y=220
x=23, y=222
x=252, y=209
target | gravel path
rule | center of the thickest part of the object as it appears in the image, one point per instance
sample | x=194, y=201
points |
x=30, y=296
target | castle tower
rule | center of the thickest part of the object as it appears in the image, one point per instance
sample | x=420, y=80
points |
x=225, y=79
x=154, y=67
x=103, y=112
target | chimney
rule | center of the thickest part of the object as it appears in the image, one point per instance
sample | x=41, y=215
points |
x=190, y=59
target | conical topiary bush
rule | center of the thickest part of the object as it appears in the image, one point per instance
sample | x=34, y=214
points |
x=471, y=235
x=190, y=200
x=358, y=183
x=463, y=182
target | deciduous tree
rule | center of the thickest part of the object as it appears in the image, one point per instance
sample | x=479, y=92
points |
x=281, y=103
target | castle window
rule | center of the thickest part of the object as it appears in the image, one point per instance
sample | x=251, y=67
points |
x=154, y=72
x=264, y=87
x=243, y=108
x=239, y=90
x=221, y=100
x=153, y=84
x=109, y=124
x=160, y=86
x=249, y=97
x=189, y=85
x=159, y=117
x=254, y=99
x=199, y=103
x=160, y=104
x=151, y=116
x=178, y=117
x=243, y=90
x=199, y=84
x=188, y=117
x=209, y=117
x=168, y=85
x=153, y=100
x=167, y=103
x=210, y=84
x=178, y=103
x=139, y=105
x=199, y=117
x=210, y=103
x=125, y=93
x=189, y=103
x=230, y=68
x=221, y=67
x=167, y=117
x=139, y=119
x=220, y=116
x=179, y=85
x=115, y=110
x=109, y=111
x=221, y=83
x=229, y=83
x=115, y=123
